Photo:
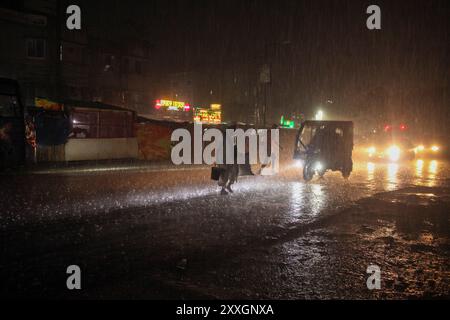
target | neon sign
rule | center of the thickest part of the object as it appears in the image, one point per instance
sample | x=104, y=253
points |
x=172, y=105
x=286, y=123
x=202, y=115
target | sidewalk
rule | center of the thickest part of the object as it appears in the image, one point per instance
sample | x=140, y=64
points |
x=101, y=166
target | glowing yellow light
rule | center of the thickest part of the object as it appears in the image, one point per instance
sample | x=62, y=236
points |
x=319, y=115
x=433, y=167
x=216, y=107
x=392, y=176
x=371, y=150
x=420, y=148
x=419, y=168
x=432, y=173
x=435, y=148
x=394, y=153
x=370, y=170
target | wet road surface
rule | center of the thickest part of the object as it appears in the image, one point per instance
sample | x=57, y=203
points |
x=171, y=235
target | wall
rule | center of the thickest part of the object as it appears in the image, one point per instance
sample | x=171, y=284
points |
x=101, y=149
x=154, y=141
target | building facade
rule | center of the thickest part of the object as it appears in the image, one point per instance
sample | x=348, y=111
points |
x=55, y=63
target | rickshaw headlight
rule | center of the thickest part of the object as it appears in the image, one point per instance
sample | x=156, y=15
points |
x=318, y=166
x=394, y=153
x=299, y=163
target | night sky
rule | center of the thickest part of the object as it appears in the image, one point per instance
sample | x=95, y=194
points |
x=319, y=51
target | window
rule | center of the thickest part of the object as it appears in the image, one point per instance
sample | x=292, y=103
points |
x=85, y=124
x=36, y=48
x=307, y=134
x=106, y=124
x=116, y=124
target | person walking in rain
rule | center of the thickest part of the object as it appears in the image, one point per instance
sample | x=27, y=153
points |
x=230, y=172
x=229, y=175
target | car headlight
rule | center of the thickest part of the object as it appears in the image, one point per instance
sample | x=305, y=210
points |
x=435, y=148
x=394, y=153
x=420, y=148
x=371, y=151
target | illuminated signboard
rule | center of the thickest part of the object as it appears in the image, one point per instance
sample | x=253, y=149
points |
x=202, y=115
x=216, y=107
x=48, y=104
x=285, y=123
x=172, y=105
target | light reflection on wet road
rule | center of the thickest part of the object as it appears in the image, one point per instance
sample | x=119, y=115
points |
x=153, y=219
x=52, y=196
x=391, y=176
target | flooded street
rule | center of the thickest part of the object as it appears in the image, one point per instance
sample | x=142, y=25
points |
x=169, y=234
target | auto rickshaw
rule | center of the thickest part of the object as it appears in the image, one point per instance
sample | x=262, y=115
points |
x=325, y=145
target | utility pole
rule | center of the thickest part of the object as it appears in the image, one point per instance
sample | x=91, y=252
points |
x=58, y=50
x=265, y=79
x=266, y=74
x=266, y=56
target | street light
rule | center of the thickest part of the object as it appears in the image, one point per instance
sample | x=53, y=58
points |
x=319, y=115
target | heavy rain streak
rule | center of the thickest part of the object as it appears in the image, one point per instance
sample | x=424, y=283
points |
x=87, y=176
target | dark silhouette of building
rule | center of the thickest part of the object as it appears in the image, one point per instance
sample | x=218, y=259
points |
x=90, y=64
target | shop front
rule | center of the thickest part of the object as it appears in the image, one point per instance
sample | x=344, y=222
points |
x=100, y=132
